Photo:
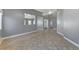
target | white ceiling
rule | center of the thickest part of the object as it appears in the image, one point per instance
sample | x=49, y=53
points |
x=46, y=11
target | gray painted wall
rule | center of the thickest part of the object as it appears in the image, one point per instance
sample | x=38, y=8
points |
x=0, y=22
x=13, y=22
x=55, y=22
x=0, y=33
x=71, y=24
x=70, y=19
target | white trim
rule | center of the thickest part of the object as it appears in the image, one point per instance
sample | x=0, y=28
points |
x=60, y=33
x=77, y=45
x=18, y=35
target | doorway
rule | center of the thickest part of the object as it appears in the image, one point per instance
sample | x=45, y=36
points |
x=40, y=23
x=45, y=23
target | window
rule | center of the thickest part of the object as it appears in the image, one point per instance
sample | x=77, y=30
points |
x=29, y=22
x=29, y=19
x=28, y=16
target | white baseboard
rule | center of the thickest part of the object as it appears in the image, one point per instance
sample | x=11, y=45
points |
x=19, y=35
x=77, y=45
x=60, y=33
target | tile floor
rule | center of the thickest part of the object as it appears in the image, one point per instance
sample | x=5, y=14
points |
x=41, y=40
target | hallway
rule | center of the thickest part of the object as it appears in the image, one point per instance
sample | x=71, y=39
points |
x=41, y=40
